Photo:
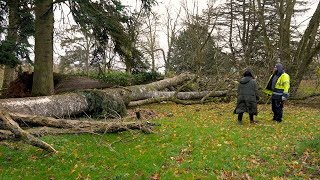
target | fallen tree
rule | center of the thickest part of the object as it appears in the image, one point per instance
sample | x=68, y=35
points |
x=42, y=112
x=88, y=101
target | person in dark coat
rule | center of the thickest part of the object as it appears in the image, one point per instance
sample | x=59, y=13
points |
x=247, y=97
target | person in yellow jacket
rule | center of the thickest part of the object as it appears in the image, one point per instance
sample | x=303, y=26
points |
x=278, y=87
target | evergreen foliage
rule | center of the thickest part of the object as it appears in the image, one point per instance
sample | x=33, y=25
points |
x=105, y=106
x=13, y=51
x=7, y=55
x=106, y=21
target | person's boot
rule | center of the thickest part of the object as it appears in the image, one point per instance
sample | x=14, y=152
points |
x=251, y=119
x=253, y=122
x=240, y=119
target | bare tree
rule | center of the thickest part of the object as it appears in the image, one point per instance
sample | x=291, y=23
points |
x=308, y=48
x=150, y=34
x=172, y=29
x=76, y=44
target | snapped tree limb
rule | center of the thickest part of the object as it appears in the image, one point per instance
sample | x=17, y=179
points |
x=11, y=125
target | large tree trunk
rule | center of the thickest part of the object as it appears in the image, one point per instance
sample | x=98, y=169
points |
x=43, y=65
x=76, y=103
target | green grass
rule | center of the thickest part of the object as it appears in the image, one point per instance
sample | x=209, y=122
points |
x=197, y=142
x=308, y=87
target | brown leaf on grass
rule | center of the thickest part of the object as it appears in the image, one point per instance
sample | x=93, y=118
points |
x=155, y=176
x=179, y=159
x=230, y=175
x=246, y=176
x=305, y=156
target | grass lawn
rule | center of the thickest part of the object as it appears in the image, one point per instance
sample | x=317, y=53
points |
x=197, y=142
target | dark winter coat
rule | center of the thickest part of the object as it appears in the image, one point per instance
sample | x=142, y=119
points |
x=247, y=96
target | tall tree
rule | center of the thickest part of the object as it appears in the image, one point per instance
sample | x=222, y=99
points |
x=150, y=44
x=105, y=18
x=20, y=26
x=43, y=63
x=241, y=28
x=265, y=32
x=286, y=10
x=171, y=29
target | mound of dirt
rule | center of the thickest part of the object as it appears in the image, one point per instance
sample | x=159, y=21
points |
x=21, y=87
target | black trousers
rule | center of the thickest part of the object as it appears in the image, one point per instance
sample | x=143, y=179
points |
x=277, y=109
x=240, y=115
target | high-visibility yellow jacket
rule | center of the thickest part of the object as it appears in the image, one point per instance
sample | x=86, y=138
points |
x=281, y=88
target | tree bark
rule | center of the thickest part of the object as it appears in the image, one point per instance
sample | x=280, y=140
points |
x=43, y=65
x=72, y=83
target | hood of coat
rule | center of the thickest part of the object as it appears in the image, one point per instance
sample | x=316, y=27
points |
x=279, y=69
x=245, y=80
